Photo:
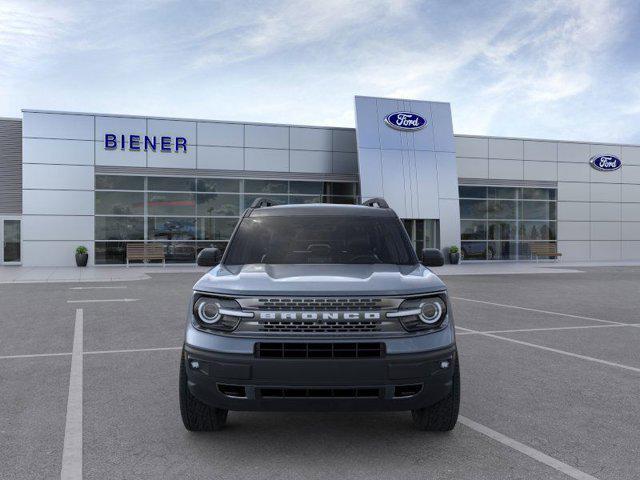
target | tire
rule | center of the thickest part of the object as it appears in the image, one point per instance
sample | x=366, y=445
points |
x=196, y=415
x=443, y=415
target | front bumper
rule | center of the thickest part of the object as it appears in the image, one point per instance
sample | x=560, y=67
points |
x=395, y=381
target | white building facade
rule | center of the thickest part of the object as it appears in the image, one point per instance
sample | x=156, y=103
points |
x=103, y=181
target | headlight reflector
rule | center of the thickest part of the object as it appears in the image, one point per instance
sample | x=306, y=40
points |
x=209, y=311
x=431, y=311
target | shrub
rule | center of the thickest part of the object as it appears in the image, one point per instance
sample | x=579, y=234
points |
x=81, y=250
x=453, y=249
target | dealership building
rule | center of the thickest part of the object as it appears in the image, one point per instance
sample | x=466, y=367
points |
x=106, y=181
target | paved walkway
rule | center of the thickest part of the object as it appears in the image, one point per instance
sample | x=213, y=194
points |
x=19, y=274
x=514, y=268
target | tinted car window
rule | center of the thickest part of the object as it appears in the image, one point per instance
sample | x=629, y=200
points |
x=320, y=239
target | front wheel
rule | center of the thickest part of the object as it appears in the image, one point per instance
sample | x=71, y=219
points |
x=196, y=415
x=443, y=415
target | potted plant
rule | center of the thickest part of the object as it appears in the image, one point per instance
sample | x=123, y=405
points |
x=454, y=255
x=82, y=256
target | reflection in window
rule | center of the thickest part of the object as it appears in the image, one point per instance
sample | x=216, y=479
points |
x=504, y=209
x=473, y=209
x=265, y=186
x=171, y=204
x=119, y=228
x=502, y=230
x=209, y=204
x=172, y=184
x=214, y=185
x=171, y=228
x=305, y=199
x=119, y=182
x=216, y=228
x=473, y=230
x=119, y=203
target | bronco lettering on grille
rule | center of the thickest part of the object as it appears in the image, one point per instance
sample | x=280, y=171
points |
x=319, y=315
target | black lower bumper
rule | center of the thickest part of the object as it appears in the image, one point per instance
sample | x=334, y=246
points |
x=392, y=382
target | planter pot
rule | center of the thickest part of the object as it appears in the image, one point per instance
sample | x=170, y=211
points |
x=81, y=259
x=454, y=258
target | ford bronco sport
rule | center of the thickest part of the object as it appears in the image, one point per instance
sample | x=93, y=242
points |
x=319, y=307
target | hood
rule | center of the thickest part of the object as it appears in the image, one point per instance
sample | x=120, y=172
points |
x=265, y=279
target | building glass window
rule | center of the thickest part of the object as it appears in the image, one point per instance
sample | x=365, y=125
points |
x=186, y=214
x=119, y=203
x=501, y=223
x=423, y=233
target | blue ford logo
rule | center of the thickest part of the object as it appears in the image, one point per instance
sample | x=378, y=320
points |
x=405, y=121
x=605, y=163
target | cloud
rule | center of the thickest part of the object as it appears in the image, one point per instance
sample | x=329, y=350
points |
x=508, y=68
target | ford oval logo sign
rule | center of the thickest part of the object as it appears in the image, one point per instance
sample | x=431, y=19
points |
x=605, y=163
x=405, y=121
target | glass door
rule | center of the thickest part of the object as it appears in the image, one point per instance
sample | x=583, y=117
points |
x=423, y=233
x=10, y=238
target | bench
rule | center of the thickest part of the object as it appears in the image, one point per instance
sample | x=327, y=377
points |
x=544, y=250
x=140, y=251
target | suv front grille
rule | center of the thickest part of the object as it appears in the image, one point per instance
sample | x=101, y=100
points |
x=319, y=326
x=319, y=304
x=319, y=350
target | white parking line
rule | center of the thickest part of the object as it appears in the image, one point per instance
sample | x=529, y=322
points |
x=72, y=449
x=107, y=300
x=98, y=288
x=34, y=355
x=538, y=311
x=528, y=451
x=554, y=350
x=545, y=329
x=159, y=349
x=90, y=352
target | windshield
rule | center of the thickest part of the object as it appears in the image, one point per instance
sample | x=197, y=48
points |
x=320, y=239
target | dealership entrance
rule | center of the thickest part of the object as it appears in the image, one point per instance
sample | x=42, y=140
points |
x=10, y=240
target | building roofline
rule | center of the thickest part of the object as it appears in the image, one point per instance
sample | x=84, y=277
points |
x=403, y=99
x=180, y=119
x=549, y=140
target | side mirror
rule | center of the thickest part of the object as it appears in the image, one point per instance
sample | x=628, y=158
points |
x=209, y=257
x=432, y=257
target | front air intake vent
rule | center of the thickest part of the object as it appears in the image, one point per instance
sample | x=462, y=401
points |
x=319, y=392
x=319, y=350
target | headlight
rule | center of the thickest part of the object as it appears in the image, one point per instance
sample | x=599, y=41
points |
x=217, y=313
x=421, y=313
x=209, y=311
x=431, y=311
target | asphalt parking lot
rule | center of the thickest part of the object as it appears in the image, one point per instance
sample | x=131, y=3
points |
x=550, y=389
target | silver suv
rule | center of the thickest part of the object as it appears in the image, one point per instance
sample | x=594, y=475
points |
x=319, y=307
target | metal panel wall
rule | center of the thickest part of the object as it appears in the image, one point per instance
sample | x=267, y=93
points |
x=598, y=212
x=10, y=166
x=415, y=171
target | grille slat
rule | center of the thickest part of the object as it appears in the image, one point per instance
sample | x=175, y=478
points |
x=319, y=392
x=319, y=350
x=319, y=326
x=317, y=304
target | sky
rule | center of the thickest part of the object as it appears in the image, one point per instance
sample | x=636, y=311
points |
x=540, y=69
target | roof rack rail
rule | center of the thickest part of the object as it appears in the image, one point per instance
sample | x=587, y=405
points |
x=376, y=202
x=262, y=202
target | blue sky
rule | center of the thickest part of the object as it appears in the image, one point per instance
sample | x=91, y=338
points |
x=546, y=69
